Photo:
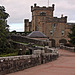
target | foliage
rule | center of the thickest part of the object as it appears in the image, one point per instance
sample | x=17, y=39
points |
x=26, y=33
x=72, y=35
x=27, y=52
x=14, y=31
x=3, y=14
x=4, y=31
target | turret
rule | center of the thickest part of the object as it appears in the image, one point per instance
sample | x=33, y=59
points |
x=26, y=24
x=35, y=5
x=53, y=6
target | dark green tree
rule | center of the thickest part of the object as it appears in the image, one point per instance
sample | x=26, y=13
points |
x=72, y=35
x=4, y=30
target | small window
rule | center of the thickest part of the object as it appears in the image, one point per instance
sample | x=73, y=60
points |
x=42, y=13
x=37, y=28
x=39, y=20
x=51, y=32
x=43, y=27
x=54, y=25
x=62, y=33
x=43, y=18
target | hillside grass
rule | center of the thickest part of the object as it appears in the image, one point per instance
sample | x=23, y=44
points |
x=10, y=54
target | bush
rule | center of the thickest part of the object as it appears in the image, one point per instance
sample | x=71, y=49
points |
x=27, y=52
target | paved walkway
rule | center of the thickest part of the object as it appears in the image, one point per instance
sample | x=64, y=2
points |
x=64, y=65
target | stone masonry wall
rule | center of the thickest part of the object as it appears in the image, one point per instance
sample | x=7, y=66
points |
x=18, y=63
x=72, y=49
x=24, y=39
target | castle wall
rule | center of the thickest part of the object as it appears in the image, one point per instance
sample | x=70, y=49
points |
x=59, y=32
x=43, y=21
x=24, y=39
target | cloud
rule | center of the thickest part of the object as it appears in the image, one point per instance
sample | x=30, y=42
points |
x=21, y=9
x=16, y=26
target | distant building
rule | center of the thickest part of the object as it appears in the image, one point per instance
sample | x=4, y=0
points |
x=55, y=28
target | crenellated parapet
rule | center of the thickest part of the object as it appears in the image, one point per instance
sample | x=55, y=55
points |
x=35, y=7
x=39, y=11
x=56, y=19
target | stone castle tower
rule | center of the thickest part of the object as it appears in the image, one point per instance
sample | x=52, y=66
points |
x=39, y=15
x=43, y=20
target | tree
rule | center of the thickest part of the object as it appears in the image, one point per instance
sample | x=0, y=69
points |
x=72, y=35
x=3, y=30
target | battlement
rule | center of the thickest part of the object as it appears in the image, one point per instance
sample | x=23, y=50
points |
x=26, y=20
x=56, y=19
x=35, y=7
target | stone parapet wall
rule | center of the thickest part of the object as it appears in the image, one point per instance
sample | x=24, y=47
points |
x=72, y=49
x=18, y=63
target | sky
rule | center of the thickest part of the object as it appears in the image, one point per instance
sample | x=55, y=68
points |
x=21, y=9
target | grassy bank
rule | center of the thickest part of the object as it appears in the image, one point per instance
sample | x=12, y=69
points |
x=10, y=54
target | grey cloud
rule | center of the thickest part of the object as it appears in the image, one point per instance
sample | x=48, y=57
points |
x=20, y=9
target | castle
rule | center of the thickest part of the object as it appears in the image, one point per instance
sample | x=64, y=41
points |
x=43, y=20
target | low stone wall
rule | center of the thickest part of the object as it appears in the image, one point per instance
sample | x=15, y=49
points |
x=24, y=39
x=72, y=49
x=17, y=63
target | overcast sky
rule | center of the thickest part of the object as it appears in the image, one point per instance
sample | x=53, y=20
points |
x=21, y=9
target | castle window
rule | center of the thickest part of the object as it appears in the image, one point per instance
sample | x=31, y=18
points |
x=43, y=27
x=62, y=33
x=37, y=28
x=39, y=20
x=44, y=18
x=51, y=32
x=43, y=13
x=54, y=25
